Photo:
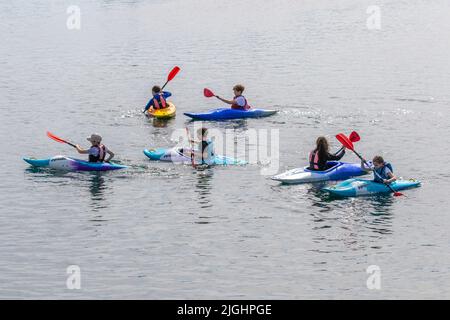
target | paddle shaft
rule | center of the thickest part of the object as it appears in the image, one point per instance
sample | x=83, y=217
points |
x=165, y=84
x=374, y=171
x=192, y=147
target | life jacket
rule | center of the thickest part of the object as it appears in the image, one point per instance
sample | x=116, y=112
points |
x=236, y=106
x=382, y=172
x=101, y=154
x=210, y=151
x=314, y=160
x=161, y=104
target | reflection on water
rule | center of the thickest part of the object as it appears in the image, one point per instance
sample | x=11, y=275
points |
x=203, y=190
x=97, y=188
x=354, y=223
x=237, y=124
x=161, y=123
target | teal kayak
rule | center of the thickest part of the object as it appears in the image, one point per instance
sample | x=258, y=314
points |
x=362, y=187
x=174, y=155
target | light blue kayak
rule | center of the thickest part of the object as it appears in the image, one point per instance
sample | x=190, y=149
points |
x=174, y=155
x=362, y=187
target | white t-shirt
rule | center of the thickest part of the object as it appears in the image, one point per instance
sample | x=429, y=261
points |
x=94, y=151
x=240, y=101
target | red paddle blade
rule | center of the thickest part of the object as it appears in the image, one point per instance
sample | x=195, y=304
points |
x=208, y=93
x=52, y=136
x=345, y=141
x=173, y=73
x=397, y=194
x=354, y=136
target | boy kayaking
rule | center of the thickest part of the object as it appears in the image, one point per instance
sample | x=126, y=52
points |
x=158, y=101
x=97, y=151
x=239, y=102
x=382, y=170
x=205, y=149
x=320, y=155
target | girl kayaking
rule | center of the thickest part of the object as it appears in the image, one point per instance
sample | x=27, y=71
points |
x=239, y=102
x=204, y=150
x=158, y=101
x=320, y=155
x=382, y=170
x=97, y=151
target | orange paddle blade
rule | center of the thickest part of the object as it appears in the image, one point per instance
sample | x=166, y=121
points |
x=52, y=136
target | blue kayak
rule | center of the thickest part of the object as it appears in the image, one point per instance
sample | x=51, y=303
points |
x=72, y=164
x=174, y=155
x=361, y=187
x=336, y=171
x=228, y=113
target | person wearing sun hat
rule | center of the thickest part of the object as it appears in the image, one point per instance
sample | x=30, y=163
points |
x=97, y=152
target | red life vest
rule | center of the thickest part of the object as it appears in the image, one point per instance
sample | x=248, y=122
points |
x=156, y=104
x=101, y=154
x=236, y=106
x=314, y=160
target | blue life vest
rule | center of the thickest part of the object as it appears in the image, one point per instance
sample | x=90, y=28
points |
x=382, y=172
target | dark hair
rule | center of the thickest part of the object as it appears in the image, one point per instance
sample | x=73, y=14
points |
x=239, y=87
x=203, y=131
x=156, y=89
x=378, y=159
x=322, y=146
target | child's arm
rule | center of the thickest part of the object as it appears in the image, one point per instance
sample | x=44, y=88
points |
x=149, y=104
x=111, y=155
x=224, y=100
x=81, y=150
x=364, y=167
x=391, y=179
x=166, y=94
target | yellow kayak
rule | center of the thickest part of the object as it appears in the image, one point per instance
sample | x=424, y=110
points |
x=165, y=113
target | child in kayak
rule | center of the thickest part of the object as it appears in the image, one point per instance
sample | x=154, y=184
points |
x=382, y=171
x=320, y=155
x=97, y=151
x=239, y=102
x=158, y=101
x=205, y=149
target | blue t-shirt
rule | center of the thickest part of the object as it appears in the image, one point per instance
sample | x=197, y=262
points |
x=165, y=95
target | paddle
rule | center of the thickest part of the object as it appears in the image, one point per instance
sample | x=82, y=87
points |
x=349, y=145
x=354, y=137
x=58, y=139
x=208, y=93
x=171, y=75
x=191, y=142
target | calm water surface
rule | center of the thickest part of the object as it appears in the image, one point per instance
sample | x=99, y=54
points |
x=160, y=231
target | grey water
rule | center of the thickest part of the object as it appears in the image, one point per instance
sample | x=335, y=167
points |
x=164, y=231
